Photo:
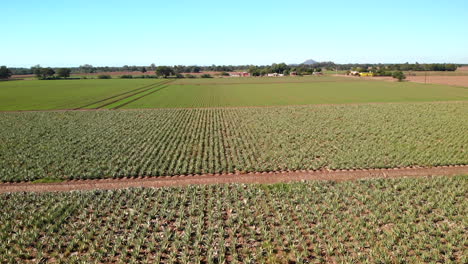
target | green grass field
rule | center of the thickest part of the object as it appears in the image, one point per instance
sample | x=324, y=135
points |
x=372, y=221
x=298, y=91
x=104, y=144
x=216, y=92
x=62, y=94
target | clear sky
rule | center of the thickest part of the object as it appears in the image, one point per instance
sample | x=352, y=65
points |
x=141, y=32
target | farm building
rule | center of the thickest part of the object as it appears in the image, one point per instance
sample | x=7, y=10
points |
x=239, y=74
x=366, y=74
x=275, y=74
x=361, y=74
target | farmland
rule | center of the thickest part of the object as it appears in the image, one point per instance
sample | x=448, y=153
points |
x=372, y=221
x=443, y=80
x=114, y=144
x=217, y=92
x=318, y=90
x=63, y=94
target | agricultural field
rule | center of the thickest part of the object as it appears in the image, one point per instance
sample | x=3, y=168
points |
x=64, y=94
x=460, y=72
x=442, y=80
x=114, y=144
x=216, y=92
x=316, y=90
x=372, y=221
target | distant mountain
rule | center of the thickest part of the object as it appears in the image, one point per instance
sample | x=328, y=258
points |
x=309, y=62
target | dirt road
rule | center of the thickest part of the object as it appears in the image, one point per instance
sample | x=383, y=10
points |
x=264, y=178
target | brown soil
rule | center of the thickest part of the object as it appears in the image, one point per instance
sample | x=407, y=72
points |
x=445, y=80
x=448, y=80
x=263, y=178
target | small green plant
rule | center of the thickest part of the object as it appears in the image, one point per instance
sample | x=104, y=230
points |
x=224, y=140
x=349, y=222
x=48, y=180
x=104, y=76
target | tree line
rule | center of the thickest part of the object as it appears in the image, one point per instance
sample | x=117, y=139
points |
x=255, y=70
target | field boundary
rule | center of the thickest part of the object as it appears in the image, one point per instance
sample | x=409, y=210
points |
x=247, y=178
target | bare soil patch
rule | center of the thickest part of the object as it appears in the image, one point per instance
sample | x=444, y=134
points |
x=447, y=80
x=258, y=178
x=444, y=80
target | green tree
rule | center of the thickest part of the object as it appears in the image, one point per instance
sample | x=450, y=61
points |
x=143, y=70
x=399, y=75
x=5, y=73
x=43, y=73
x=279, y=68
x=254, y=71
x=63, y=72
x=87, y=68
x=164, y=71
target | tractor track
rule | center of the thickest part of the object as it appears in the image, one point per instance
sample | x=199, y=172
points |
x=161, y=87
x=147, y=87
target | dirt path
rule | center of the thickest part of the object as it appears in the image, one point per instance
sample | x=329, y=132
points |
x=271, y=177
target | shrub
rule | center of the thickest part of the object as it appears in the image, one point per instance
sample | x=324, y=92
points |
x=399, y=75
x=63, y=72
x=190, y=76
x=206, y=75
x=126, y=76
x=104, y=76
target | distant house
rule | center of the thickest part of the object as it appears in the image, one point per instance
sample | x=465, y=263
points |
x=293, y=74
x=275, y=74
x=239, y=74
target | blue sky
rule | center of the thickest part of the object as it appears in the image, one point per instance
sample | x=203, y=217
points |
x=115, y=33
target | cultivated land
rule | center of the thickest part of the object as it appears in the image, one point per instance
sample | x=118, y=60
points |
x=355, y=129
x=444, y=80
x=64, y=94
x=372, y=221
x=292, y=91
x=219, y=92
x=106, y=144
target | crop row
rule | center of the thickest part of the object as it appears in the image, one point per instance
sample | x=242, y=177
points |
x=373, y=221
x=103, y=144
